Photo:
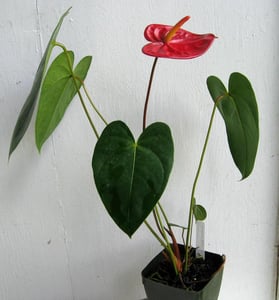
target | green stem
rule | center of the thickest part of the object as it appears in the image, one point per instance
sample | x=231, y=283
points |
x=155, y=234
x=165, y=216
x=192, y=203
x=168, y=247
x=165, y=243
x=92, y=104
x=157, y=222
x=86, y=112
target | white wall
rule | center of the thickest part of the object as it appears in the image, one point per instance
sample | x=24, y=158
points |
x=56, y=240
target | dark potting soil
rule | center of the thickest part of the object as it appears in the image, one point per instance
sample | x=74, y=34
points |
x=199, y=274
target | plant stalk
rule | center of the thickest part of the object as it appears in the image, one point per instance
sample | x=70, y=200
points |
x=148, y=92
x=165, y=216
x=155, y=234
x=156, y=214
x=144, y=126
x=168, y=246
x=92, y=104
x=193, y=201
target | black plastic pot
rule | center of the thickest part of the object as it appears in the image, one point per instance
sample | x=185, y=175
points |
x=158, y=291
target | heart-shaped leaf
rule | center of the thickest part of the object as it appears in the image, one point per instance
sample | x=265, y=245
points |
x=238, y=107
x=27, y=110
x=131, y=176
x=58, y=90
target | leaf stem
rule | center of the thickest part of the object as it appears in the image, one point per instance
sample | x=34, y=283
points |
x=168, y=246
x=192, y=202
x=157, y=222
x=155, y=234
x=93, y=105
x=164, y=215
x=86, y=111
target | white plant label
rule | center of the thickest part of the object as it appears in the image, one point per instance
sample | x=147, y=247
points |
x=200, y=239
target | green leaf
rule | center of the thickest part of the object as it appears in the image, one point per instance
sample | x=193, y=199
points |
x=131, y=176
x=58, y=90
x=238, y=107
x=27, y=110
x=199, y=212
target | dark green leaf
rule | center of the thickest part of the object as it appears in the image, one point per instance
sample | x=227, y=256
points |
x=58, y=90
x=238, y=107
x=131, y=176
x=27, y=110
x=199, y=212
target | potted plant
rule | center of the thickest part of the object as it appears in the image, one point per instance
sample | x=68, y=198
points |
x=131, y=175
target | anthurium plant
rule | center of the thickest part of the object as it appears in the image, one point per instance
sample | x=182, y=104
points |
x=131, y=174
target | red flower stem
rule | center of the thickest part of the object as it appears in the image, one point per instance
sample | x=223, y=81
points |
x=156, y=215
x=148, y=93
x=155, y=212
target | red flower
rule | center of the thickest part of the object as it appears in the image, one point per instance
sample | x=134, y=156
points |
x=174, y=42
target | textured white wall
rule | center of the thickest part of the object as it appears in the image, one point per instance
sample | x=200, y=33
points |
x=56, y=240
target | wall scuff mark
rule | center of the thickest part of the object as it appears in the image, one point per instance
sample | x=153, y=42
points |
x=39, y=28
